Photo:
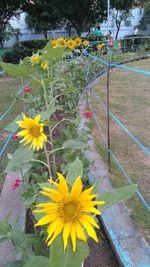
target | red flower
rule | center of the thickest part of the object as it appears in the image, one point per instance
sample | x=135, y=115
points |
x=27, y=90
x=15, y=136
x=87, y=114
x=82, y=64
x=16, y=184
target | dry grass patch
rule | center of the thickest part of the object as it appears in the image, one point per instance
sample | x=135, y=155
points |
x=129, y=102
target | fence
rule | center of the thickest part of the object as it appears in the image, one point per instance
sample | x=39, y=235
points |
x=109, y=115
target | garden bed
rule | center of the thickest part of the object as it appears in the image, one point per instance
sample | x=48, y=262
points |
x=53, y=142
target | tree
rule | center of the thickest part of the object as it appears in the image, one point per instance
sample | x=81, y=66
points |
x=145, y=20
x=122, y=12
x=8, y=9
x=41, y=16
x=81, y=13
x=120, y=16
x=75, y=13
x=7, y=33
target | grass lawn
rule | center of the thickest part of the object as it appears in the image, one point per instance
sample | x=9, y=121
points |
x=8, y=87
x=130, y=103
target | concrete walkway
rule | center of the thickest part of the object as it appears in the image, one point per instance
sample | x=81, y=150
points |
x=10, y=202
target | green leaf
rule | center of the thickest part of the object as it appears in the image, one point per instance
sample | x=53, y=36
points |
x=69, y=258
x=116, y=195
x=21, y=156
x=32, y=112
x=50, y=123
x=17, y=236
x=75, y=169
x=13, y=126
x=47, y=114
x=37, y=261
x=5, y=229
x=75, y=144
x=50, y=52
x=4, y=225
x=16, y=71
x=41, y=185
x=16, y=264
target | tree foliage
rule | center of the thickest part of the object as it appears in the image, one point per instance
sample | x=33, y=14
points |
x=76, y=13
x=145, y=20
x=122, y=12
x=41, y=16
x=8, y=9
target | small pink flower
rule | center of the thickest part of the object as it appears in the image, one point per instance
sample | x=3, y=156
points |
x=82, y=64
x=16, y=184
x=15, y=136
x=27, y=90
x=87, y=114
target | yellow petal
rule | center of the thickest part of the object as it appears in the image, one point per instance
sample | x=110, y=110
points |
x=52, y=227
x=54, y=183
x=77, y=187
x=56, y=196
x=86, y=192
x=91, y=220
x=92, y=210
x=46, y=219
x=66, y=233
x=73, y=237
x=37, y=118
x=49, y=204
x=91, y=232
x=22, y=133
x=63, y=187
x=80, y=233
x=56, y=233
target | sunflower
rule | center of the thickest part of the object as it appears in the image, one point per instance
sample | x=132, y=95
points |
x=99, y=47
x=71, y=44
x=86, y=43
x=78, y=41
x=54, y=43
x=103, y=45
x=33, y=132
x=69, y=212
x=35, y=59
x=61, y=41
x=44, y=65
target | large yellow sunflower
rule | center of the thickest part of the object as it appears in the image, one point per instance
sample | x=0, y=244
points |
x=78, y=41
x=33, y=132
x=61, y=41
x=44, y=65
x=71, y=44
x=86, y=43
x=99, y=47
x=35, y=59
x=54, y=43
x=69, y=212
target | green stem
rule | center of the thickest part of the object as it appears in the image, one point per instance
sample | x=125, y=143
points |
x=45, y=95
x=48, y=161
x=59, y=123
x=57, y=149
x=42, y=162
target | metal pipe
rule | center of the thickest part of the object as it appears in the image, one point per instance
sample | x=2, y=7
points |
x=108, y=120
x=108, y=11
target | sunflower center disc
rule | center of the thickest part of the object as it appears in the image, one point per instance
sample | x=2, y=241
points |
x=35, y=131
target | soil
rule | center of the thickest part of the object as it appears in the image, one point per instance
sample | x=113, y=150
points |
x=101, y=254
